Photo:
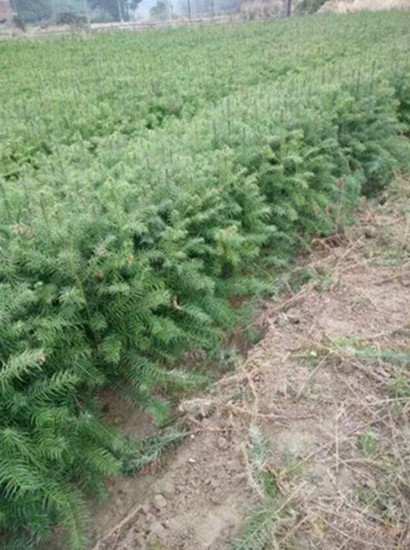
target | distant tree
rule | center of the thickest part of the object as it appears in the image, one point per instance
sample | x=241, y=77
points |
x=309, y=6
x=71, y=19
x=68, y=6
x=32, y=11
x=159, y=11
x=117, y=9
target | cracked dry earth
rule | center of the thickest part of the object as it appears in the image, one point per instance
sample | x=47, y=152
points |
x=328, y=390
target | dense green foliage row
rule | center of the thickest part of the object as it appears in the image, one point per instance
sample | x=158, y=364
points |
x=141, y=177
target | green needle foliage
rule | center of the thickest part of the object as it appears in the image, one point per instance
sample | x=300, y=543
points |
x=149, y=450
x=142, y=176
x=258, y=531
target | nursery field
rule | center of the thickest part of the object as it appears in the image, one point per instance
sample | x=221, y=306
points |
x=147, y=181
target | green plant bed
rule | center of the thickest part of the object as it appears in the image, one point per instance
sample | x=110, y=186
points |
x=134, y=206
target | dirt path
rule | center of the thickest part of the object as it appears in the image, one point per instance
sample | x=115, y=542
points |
x=307, y=444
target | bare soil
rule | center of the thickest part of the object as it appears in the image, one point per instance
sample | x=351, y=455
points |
x=319, y=408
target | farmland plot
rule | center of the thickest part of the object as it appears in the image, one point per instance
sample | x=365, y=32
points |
x=142, y=175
